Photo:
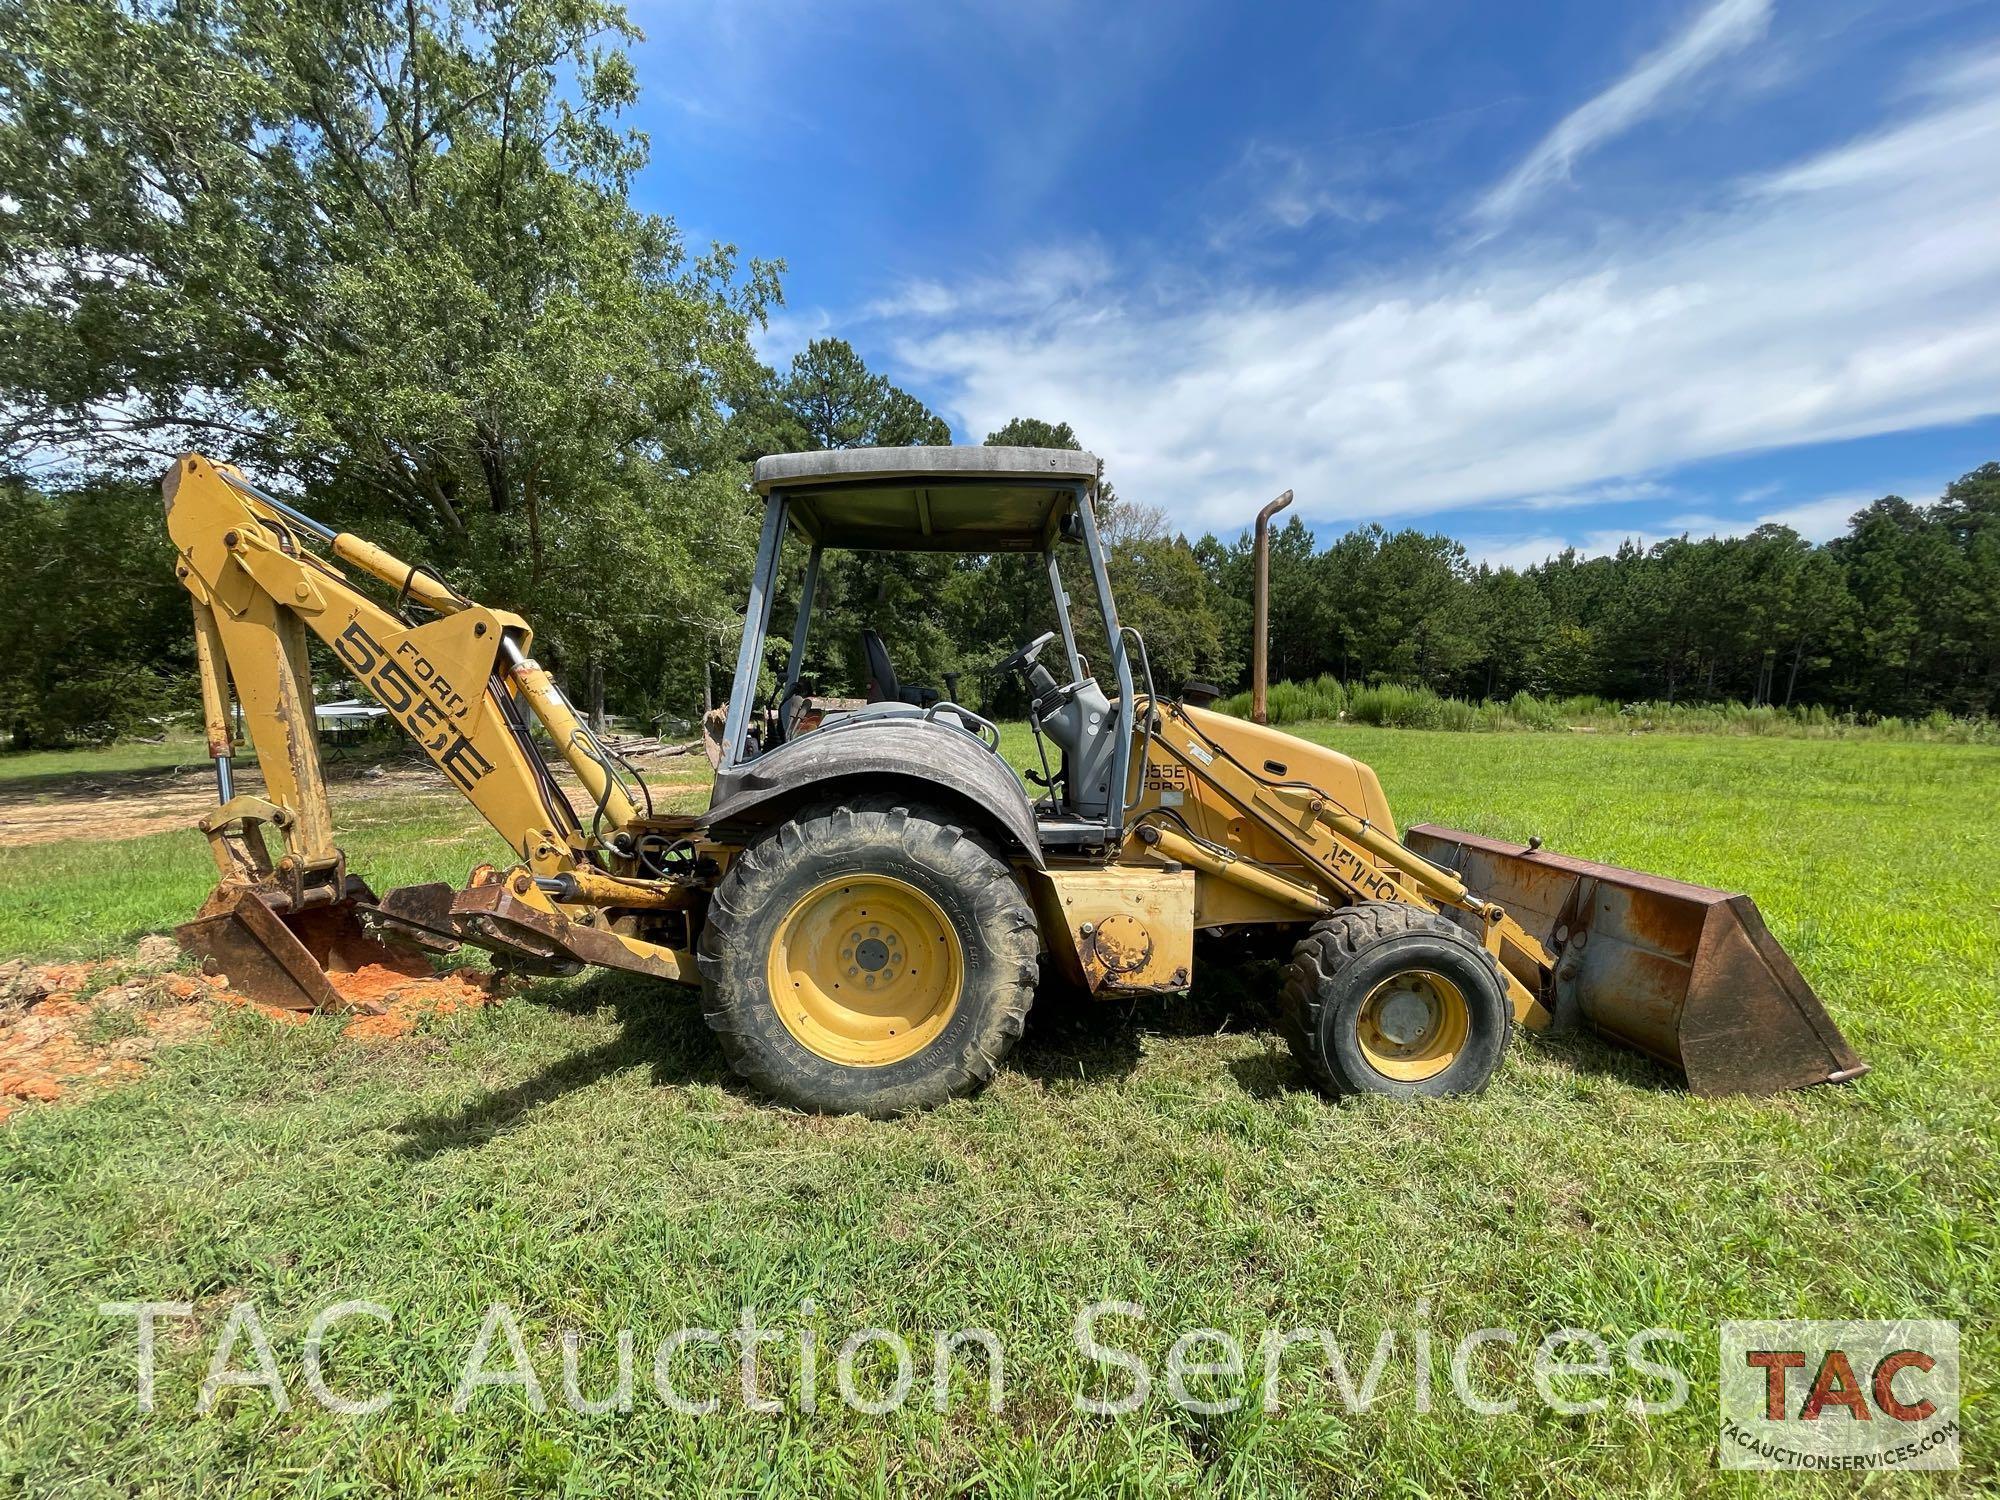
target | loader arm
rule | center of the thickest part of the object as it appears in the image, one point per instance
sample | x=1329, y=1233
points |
x=1685, y=973
x=1337, y=853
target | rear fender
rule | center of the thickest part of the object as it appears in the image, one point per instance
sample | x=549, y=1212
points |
x=924, y=759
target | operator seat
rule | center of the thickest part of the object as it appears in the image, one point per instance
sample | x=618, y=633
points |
x=882, y=684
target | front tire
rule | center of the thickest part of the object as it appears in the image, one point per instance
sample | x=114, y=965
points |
x=868, y=960
x=1386, y=998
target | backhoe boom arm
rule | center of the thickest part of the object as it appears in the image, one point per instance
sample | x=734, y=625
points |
x=461, y=684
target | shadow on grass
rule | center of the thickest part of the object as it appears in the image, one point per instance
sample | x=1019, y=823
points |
x=1586, y=1052
x=1072, y=1038
x=1071, y=1041
x=660, y=1027
x=1270, y=1074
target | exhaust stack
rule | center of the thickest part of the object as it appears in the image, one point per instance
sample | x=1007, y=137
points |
x=1260, y=642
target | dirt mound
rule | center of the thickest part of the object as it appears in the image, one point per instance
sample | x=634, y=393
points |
x=393, y=1001
x=63, y=1028
x=68, y=1028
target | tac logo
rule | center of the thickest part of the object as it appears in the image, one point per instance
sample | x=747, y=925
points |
x=1798, y=1394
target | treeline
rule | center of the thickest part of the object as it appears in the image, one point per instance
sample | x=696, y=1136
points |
x=1392, y=705
x=1897, y=619
x=1898, y=616
x=386, y=259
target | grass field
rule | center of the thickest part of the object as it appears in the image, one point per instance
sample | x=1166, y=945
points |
x=583, y=1156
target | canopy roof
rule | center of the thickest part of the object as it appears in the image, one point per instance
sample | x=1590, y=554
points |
x=960, y=499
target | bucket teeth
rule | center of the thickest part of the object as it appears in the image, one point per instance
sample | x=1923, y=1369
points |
x=1687, y=974
x=285, y=958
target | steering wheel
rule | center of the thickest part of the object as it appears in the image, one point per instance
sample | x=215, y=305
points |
x=1023, y=659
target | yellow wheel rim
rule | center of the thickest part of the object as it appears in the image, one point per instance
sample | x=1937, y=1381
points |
x=866, y=970
x=1413, y=1025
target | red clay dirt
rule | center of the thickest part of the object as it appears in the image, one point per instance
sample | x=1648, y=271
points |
x=56, y=1043
x=393, y=1000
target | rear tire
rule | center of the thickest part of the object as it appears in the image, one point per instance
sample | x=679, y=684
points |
x=868, y=959
x=1386, y=998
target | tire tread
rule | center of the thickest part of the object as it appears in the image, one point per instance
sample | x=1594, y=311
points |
x=1000, y=908
x=1329, y=946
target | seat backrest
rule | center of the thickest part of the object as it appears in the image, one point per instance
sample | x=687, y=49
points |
x=882, y=683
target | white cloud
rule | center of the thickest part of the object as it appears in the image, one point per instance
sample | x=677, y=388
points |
x=1526, y=552
x=1509, y=552
x=1824, y=519
x=1290, y=189
x=1866, y=302
x=1038, y=282
x=1616, y=492
x=1355, y=179
x=1918, y=145
x=919, y=298
x=1818, y=520
x=1724, y=27
x=787, y=331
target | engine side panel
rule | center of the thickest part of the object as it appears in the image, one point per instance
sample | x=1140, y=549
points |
x=1175, y=785
x=1121, y=929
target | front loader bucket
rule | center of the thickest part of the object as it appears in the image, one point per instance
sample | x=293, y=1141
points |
x=1687, y=974
x=285, y=959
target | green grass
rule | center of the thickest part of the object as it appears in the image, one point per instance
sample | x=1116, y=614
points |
x=90, y=900
x=583, y=1155
x=178, y=749
x=1400, y=706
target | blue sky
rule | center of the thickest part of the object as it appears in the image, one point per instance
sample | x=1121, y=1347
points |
x=1535, y=276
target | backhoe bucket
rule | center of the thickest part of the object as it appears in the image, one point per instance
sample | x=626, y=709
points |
x=286, y=958
x=1687, y=974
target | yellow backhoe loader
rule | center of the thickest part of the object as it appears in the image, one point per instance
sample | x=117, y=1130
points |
x=873, y=895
